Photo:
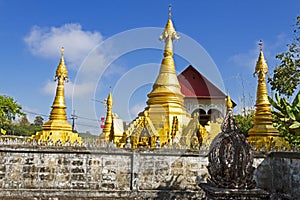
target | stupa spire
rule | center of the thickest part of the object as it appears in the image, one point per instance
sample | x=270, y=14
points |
x=166, y=87
x=165, y=101
x=261, y=70
x=169, y=34
x=59, y=106
x=263, y=131
x=108, y=120
x=57, y=128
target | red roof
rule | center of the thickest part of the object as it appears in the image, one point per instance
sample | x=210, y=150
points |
x=194, y=84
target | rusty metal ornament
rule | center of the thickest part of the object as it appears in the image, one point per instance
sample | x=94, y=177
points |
x=230, y=158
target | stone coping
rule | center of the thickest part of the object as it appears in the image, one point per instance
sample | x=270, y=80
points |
x=77, y=194
x=129, y=151
x=103, y=150
x=228, y=193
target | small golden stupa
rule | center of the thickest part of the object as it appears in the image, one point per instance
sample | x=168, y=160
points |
x=57, y=128
x=109, y=118
x=263, y=134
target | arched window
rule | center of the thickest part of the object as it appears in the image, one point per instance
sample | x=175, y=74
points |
x=214, y=114
x=202, y=116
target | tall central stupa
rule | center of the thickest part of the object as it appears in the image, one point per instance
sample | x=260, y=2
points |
x=165, y=120
x=165, y=101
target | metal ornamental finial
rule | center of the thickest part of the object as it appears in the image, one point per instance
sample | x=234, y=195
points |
x=260, y=45
x=62, y=50
x=169, y=33
x=228, y=103
x=170, y=11
x=61, y=71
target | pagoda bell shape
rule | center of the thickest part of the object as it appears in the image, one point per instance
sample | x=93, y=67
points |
x=166, y=101
x=263, y=134
x=57, y=129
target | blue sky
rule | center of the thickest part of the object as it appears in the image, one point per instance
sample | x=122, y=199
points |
x=32, y=33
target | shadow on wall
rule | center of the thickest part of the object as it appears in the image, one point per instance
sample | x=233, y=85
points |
x=279, y=174
x=175, y=188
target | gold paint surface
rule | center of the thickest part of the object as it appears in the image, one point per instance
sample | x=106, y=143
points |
x=108, y=120
x=57, y=128
x=263, y=132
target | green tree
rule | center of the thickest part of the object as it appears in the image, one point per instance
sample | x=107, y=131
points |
x=287, y=118
x=285, y=82
x=245, y=121
x=286, y=78
x=9, y=109
x=38, y=121
x=23, y=121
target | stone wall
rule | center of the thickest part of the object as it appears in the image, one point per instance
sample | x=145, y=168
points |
x=279, y=174
x=72, y=172
x=63, y=173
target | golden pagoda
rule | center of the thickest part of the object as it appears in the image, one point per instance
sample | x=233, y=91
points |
x=164, y=121
x=57, y=129
x=166, y=100
x=263, y=134
x=108, y=121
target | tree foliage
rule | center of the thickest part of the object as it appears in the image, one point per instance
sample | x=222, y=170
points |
x=19, y=130
x=23, y=121
x=245, y=121
x=286, y=78
x=9, y=109
x=38, y=121
x=287, y=118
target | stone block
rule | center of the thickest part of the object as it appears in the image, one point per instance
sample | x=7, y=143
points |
x=108, y=186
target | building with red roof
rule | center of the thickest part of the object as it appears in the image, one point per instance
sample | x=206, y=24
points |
x=202, y=96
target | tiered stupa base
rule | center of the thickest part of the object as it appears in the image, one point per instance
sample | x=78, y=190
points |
x=266, y=137
x=267, y=142
x=57, y=131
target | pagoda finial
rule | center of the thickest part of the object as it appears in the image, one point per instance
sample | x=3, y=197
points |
x=61, y=71
x=168, y=35
x=62, y=50
x=228, y=103
x=260, y=45
x=261, y=65
x=170, y=11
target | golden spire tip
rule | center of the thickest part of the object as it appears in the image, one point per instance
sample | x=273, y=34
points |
x=229, y=103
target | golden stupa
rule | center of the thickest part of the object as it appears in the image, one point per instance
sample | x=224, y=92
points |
x=166, y=103
x=57, y=128
x=165, y=120
x=109, y=117
x=263, y=134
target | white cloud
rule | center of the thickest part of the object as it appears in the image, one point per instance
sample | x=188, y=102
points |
x=271, y=48
x=81, y=89
x=245, y=60
x=46, y=42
